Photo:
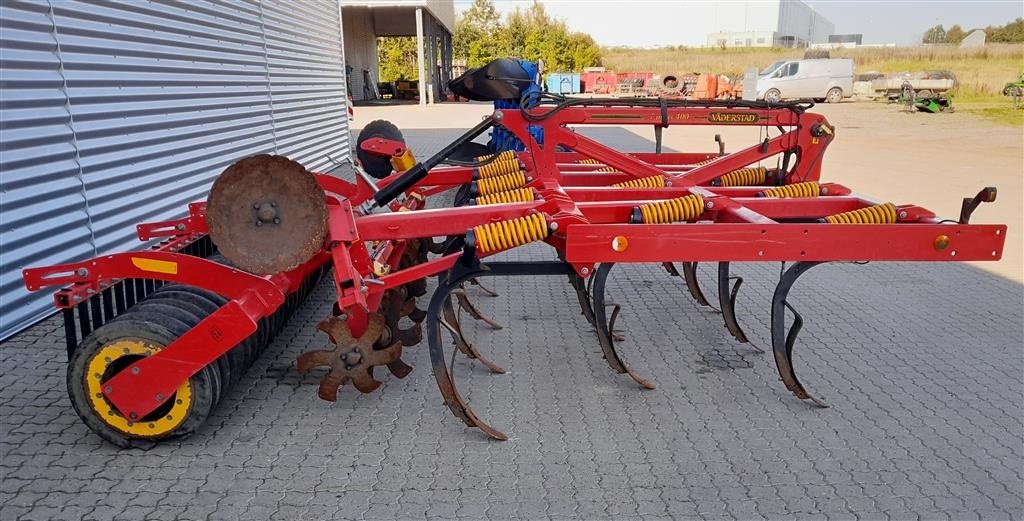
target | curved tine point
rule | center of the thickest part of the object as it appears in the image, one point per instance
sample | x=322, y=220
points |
x=445, y=383
x=491, y=366
x=471, y=351
x=491, y=432
x=820, y=403
x=482, y=425
x=485, y=289
x=450, y=320
x=605, y=335
x=646, y=384
x=782, y=342
x=468, y=307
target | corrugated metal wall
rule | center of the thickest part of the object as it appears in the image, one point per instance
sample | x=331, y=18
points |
x=116, y=113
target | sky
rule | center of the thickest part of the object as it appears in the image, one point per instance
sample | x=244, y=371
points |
x=645, y=23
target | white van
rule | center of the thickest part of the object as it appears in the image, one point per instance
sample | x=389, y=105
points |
x=828, y=80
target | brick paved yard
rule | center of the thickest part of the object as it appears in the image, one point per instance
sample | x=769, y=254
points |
x=922, y=364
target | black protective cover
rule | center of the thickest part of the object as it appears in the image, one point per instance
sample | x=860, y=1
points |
x=503, y=78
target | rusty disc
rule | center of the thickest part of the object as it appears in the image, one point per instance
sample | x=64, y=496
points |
x=267, y=214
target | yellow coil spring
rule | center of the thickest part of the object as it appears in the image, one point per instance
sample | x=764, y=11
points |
x=504, y=156
x=504, y=183
x=806, y=189
x=878, y=214
x=503, y=235
x=522, y=195
x=587, y=161
x=673, y=210
x=706, y=161
x=606, y=169
x=498, y=167
x=745, y=177
x=654, y=181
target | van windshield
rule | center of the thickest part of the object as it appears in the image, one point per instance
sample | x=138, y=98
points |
x=771, y=68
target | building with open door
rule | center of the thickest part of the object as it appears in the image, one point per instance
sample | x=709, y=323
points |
x=430, y=21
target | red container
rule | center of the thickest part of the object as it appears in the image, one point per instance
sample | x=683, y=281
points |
x=707, y=87
x=598, y=82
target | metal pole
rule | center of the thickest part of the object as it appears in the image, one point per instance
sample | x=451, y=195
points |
x=422, y=84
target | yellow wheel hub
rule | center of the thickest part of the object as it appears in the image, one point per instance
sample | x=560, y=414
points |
x=116, y=356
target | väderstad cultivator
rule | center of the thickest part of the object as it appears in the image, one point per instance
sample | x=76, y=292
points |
x=155, y=337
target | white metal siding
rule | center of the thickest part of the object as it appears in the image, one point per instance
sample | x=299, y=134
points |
x=307, y=81
x=40, y=181
x=123, y=112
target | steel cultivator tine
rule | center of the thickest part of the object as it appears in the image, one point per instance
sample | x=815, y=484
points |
x=446, y=385
x=490, y=292
x=583, y=295
x=727, y=300
x=782, y=342
x=450, y=320
x=604, y=326
x=670, y=268
x=468, y=307
x=690, y=276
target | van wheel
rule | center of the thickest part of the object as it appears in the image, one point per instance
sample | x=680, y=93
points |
x=773, y=96
x=834, y=95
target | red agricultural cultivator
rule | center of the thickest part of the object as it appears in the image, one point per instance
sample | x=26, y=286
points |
x=156, y=336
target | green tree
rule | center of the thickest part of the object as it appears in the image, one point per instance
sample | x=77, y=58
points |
x=1012, y=32
x=480, y=36
x=483, y=50
x=476, y=34
x=397, y=58
x=514, y=32
x=583, y=51
x=955, y=34
x=550, y=40
x=935, y=34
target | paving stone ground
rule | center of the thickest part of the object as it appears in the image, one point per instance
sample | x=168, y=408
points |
x=922, y=364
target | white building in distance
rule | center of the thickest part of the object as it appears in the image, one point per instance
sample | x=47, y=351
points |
x=778, y=23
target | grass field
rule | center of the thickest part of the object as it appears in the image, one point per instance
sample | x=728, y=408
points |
x=981, y=72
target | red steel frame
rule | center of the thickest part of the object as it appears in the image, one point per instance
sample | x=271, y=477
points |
x=584, y=213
